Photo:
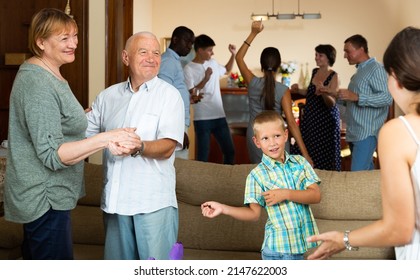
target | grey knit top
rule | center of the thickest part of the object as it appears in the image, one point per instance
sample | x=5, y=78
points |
x=43, y=114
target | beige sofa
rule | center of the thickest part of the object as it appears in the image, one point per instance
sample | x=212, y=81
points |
x=349, y=200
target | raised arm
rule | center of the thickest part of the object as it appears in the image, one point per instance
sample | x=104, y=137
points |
x=229, y=64
x=256, y=28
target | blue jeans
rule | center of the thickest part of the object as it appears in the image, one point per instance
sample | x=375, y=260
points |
x=141, y=236
x=267, y=254
x=220, y=129
x=48, y=237
x=362, y=153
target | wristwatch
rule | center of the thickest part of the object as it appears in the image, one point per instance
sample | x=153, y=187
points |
x=140, y=151
x=347, y=242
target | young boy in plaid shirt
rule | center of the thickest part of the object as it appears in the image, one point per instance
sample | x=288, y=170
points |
x=284, y=185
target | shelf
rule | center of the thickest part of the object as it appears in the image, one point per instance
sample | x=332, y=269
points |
x=236, y=91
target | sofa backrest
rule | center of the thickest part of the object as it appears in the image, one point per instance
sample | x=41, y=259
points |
x=349, y=196
x=344, y=195
x=198, y=182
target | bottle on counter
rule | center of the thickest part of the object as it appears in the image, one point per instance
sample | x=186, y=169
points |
x=307, y=76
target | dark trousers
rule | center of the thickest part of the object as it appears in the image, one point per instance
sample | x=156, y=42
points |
x=48, y=237
x=220, y=129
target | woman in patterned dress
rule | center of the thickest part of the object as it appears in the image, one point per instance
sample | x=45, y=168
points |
x=320, y=123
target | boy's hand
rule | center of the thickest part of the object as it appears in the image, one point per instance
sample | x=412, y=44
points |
x=211, y=209
x=195, y=95
x=275, y=196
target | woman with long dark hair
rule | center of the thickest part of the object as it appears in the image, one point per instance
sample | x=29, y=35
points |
x=265, y=93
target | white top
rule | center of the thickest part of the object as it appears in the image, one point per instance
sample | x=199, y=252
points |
x=211, y=106
x=412, y=251
x=140, y=184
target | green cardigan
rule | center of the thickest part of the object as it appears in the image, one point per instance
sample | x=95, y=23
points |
x=43, y=114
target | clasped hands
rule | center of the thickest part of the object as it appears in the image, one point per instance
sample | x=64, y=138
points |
x=195, y=96
x=123, y=141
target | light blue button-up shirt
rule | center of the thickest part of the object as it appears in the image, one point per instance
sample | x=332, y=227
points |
x=171, y=71
x=365, y=117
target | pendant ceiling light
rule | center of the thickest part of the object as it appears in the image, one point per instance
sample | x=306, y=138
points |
x=285, y=16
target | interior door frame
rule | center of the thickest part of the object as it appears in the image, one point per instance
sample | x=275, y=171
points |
x=119, y=27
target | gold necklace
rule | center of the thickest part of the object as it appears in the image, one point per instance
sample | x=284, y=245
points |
x=55, y=74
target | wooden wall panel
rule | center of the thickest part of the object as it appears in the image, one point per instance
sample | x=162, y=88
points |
x=119, y=27
x=15, y=18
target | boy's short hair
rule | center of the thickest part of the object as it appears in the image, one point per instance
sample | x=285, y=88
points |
x=203, y=41
x=268, y=116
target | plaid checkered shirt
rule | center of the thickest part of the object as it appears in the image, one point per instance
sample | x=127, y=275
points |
x=289, y=223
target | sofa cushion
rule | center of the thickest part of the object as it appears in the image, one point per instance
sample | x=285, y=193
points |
x=349, y=195
x=222, y=233
x=87, y=225
x=93, y=176
x=88, y=252
x=197, y=182
x=194, y=254
x=11, y=235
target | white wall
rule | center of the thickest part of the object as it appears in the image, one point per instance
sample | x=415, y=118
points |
x=142, y=15
x=229, y=22
x=96, y=55
x=96, y=48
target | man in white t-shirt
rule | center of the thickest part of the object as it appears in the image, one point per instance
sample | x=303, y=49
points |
x=202, y=76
